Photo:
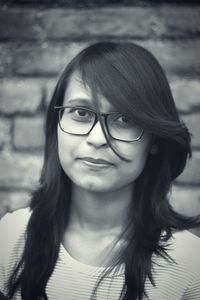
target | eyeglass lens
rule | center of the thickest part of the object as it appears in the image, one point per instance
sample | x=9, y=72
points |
x=80, y=121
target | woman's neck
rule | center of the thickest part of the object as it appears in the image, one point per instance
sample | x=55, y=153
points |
x=100, y=212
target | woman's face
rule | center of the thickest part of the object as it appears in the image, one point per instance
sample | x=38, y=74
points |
x=88, y=160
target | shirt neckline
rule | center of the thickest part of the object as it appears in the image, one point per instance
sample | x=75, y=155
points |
x=76, y=265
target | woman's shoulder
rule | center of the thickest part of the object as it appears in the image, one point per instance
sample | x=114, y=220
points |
x=185, y=241
x=12, y=238
x=178, y=276
x=15, y=220
x=13, y=226
x=184, y=248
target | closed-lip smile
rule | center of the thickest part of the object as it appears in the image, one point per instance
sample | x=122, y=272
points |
x=96, y=161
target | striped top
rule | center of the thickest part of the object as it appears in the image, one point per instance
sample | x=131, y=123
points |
x=73, y=280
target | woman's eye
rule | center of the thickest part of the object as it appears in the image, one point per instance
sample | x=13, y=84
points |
x=80, y=114
x=124, y=120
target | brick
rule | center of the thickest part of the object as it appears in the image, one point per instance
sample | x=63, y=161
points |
x=176, y=57
x=176, y=21
x=19, y=24
x=186, y=94
x=186, y=200
x=20, y=96
x=191, y=174
x=6, y=58
x=59, y=23
x=28, y=133
x=179, y=57
x=5, y=130
x=121, y=21
x=11, y=201
x=193, y=123
x=45, y=59
x=115, y=22
x=19, y=170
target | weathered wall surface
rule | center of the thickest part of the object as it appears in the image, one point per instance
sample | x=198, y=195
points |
x=35, y=45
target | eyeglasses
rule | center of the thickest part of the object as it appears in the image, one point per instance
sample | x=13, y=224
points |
x=78, y=120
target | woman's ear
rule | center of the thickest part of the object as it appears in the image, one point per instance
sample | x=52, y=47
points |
x=154, y=149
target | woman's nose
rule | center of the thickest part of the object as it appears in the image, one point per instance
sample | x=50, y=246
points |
x=96, y=136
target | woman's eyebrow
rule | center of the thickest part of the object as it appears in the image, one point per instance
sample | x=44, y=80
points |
x=79, y=101
x=86, y=102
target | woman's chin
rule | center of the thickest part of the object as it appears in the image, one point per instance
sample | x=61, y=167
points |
x=97, y=186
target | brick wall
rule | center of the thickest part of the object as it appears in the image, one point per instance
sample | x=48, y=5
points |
x=35, y=45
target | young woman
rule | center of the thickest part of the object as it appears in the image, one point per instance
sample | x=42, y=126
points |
x=100, y=225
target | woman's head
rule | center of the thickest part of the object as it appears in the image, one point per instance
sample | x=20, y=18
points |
x=129, y=80
x=84, y=152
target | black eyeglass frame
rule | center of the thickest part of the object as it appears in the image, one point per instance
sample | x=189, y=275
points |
x=96, y=119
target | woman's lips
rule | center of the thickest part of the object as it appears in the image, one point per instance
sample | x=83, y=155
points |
x=96, y=161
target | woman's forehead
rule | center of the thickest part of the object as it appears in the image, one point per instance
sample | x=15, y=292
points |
x=76, y=89
x=77, y=93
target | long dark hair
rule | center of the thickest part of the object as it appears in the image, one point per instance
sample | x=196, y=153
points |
x=134, y=82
